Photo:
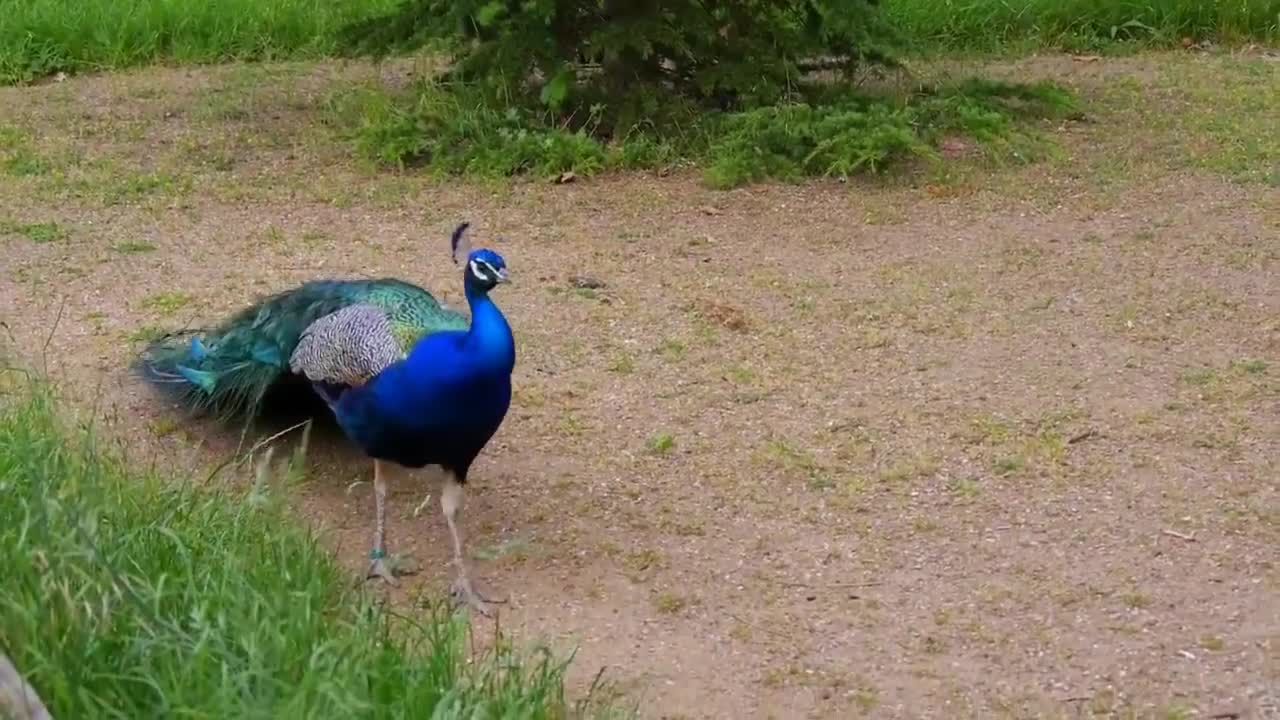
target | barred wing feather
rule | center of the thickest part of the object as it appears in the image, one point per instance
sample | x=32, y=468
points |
x=347, y=347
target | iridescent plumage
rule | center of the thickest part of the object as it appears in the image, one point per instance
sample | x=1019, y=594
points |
x=408, y=379
x=228, y=369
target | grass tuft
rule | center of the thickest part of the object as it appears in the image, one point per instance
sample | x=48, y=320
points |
x=39, y=233
x=131, y=595
x=661, y=443
x=133, y=247
x=453, y=130
x=166, y=303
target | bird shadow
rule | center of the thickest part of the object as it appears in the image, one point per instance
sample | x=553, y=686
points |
x=291, y=417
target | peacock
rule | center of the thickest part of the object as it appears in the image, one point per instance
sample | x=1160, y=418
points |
x=408, y=379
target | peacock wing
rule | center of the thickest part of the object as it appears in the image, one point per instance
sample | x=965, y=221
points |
x=413, y=312
x=347, y=346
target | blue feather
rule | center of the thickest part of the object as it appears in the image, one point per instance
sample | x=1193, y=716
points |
x=201, y=379
x=198, y=351
x=268, y=355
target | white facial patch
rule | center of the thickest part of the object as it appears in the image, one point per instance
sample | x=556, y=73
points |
x=475, y=270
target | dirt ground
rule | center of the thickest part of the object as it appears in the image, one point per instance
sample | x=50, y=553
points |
x=995, y=442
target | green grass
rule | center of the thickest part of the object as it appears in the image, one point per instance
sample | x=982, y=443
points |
x=39, y=233
x=661, y=443
x=166, y=303
x=1218, y=112
x=42, y=37
x=132, y=247
x=127, y=594
x=1001, y=25
x=451, y=130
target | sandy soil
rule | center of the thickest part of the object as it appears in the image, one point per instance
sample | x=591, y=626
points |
x=1002, y=444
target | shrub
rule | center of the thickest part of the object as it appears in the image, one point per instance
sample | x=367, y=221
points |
x=547, y=86
x=621, y=63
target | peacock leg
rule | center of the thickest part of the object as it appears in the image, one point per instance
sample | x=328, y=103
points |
x=461, y=590
x=378, y=555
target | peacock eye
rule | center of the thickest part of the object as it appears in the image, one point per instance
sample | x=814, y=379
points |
x=482, y=270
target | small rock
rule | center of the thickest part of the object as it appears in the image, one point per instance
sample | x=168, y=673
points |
x=565, y=177
x=953, y=147
x=586, y=282
x=709, y=210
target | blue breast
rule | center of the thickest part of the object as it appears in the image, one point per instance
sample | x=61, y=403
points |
x=439, y=406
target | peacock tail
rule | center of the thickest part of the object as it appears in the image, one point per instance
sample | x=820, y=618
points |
x=227, y=370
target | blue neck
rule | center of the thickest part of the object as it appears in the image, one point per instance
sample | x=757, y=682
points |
x=490, y=335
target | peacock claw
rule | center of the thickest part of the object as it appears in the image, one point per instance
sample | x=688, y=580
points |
x=378, y=569
x=387, y=570
x=461, y=593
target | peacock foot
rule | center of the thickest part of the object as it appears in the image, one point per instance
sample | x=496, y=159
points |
x=461, y=593
x=385, y=568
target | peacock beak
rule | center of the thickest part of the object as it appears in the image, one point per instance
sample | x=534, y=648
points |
x=503, y=277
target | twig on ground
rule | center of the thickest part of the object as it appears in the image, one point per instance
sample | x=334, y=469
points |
x=1081, y=437
x=761, y=628
x=248, y=456
x=258, y=446
x=829, y=586
x=1180, y=536
x=53, y=329
x=422, y=505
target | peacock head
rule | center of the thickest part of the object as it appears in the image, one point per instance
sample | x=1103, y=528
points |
x=484, y=268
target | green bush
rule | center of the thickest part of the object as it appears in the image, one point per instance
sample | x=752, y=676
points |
x=621, y=63
x=127, y=595
x=548, y=86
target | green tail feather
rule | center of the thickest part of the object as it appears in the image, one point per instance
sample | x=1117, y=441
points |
x=227, y=370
